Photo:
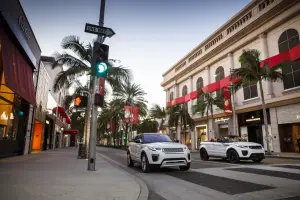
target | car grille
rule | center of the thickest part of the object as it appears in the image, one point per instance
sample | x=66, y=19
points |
x=172, y=150
x=255, y=147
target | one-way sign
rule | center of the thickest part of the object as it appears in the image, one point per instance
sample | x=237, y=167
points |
x=91, y=28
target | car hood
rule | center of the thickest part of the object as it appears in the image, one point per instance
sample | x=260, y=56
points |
x=165, y=145
x=246, y=143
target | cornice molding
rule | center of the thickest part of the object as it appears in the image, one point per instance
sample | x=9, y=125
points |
x=277, y=10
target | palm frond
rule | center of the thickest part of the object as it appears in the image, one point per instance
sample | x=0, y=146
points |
x=72, y=42
x=68, y=60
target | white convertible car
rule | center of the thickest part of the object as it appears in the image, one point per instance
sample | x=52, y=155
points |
x=233, y=151
x=157, y=150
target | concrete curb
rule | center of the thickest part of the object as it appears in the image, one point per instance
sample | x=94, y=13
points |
x=144, y=192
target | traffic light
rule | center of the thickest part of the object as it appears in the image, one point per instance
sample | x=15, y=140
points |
x=124, y=137
x=80, y=101
x=100, y=60
x=99, y=97
x=99, y=100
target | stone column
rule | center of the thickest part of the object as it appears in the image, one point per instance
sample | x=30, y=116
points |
x=207, y=69
x=29, y=131
x=233, y=101
x=178, y=129
x=265, y=54
x=191, y=103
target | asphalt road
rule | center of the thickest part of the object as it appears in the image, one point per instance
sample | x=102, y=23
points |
x=215, y=179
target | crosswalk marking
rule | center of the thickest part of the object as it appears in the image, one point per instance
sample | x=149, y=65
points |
x=283, y=187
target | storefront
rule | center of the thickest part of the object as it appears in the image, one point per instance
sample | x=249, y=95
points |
x=19, y=58
x=200, y=133
x=251, y=127
x=223, y=126
x=288, y=126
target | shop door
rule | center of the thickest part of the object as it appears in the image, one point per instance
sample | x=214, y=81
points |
x=296, y=134
x=72, y=141
x=37, y=136
x=255, y=134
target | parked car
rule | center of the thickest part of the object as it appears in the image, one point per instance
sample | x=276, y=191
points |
x=232, y=150
x=157, y=150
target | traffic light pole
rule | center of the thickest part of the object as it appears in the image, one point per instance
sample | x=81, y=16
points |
x=93, y=135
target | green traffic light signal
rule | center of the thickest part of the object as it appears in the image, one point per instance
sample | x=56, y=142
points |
x=101, y=69
x=124, y=137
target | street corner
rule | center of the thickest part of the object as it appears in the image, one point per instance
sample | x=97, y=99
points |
x=127, y=184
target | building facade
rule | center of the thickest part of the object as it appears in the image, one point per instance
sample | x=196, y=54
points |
x=56, y=119
x=269, y=26
x=19, y=61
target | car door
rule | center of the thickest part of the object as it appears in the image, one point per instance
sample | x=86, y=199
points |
x=139, y=146
x=220, y=149
x=132, y=149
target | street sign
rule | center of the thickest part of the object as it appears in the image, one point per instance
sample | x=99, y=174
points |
x=91, y=28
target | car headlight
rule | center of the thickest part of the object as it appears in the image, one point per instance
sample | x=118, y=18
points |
x=242, y=146
x=154, y=149
x=185, y=148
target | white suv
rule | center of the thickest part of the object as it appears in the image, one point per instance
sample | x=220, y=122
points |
x=157, y=150
x=233, y=151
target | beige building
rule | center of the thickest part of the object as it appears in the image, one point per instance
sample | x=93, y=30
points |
x=270, y=26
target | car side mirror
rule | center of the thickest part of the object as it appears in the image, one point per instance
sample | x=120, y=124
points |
x=138, y=141
x=177, y=141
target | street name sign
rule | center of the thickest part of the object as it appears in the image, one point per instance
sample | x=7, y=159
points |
x=91, y=28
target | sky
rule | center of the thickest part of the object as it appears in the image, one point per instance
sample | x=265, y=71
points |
x=151, y=35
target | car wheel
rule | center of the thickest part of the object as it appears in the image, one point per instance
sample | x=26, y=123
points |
x=257, y=160
x=130, y=163
x=185, y=168
x=233, y=157
x=145, y=164
x=203, y=155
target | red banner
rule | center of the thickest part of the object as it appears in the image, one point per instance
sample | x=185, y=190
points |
x=227, y=101
x=135, y=115
x=127, y=113
x=101, y=86
x=290, y=55
x=111, y=126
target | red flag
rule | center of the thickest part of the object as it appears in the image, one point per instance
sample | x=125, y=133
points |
x=135, y=113
x=127, y=114
x=111, y=126
x=227, y=101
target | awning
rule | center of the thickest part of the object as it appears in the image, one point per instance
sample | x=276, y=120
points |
x=62, y=113
x=17, y=71
x=70, y=132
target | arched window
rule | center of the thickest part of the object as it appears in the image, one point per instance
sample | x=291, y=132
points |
x=199, y=85
x=218, y=76
x=171, y=96
x=184, y=92
x=287, y=40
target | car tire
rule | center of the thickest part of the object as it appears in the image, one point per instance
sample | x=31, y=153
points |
x=257, y=160
x=203, y=155
x=145, y=164
x=233, y=157
x=130, y=162
x=185, y=168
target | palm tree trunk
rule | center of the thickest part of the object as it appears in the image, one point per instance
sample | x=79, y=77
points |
x=126, y=134
x=265, y=116
x=212, y=119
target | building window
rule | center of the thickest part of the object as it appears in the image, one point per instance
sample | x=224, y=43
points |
x=287, y=40
x=9, y=112
x=250, y=91
x=218, y=76
x=171, y=96
x=184, y=92
x=199, y=86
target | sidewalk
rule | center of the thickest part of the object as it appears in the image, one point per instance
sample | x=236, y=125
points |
x=58, y=174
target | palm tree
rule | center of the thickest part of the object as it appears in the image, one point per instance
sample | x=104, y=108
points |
x=251, y=73
x=80, y=65
x=207, y=103
x=179, y=114
x=158, y=112
x=147, y=126
x=129, y=94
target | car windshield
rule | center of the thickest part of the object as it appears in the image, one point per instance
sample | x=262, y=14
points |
x=151, y=138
